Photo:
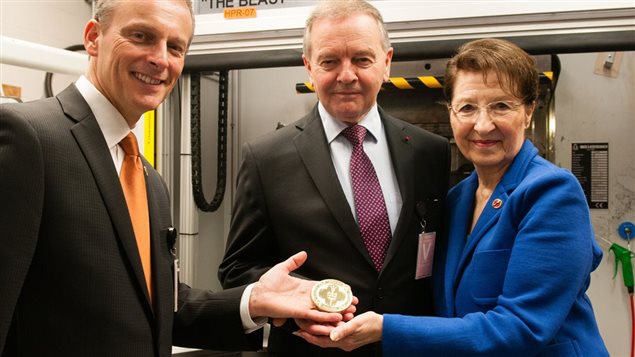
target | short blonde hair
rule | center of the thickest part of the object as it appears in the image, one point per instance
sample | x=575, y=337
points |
x=105, y=8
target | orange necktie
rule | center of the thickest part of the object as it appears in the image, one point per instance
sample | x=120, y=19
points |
x=134, y=188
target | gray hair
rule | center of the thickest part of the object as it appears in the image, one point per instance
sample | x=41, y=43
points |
x=339, y=9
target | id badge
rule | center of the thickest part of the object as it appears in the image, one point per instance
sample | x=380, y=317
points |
x=425, y=255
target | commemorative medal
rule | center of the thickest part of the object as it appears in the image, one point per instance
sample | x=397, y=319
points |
x=331, y=295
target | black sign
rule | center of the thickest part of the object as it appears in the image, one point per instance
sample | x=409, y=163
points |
x=590, y=164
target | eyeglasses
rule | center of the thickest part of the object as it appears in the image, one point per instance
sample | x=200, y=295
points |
x=469, y=113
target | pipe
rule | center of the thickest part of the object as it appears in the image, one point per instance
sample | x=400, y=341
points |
x=188, y=217
x=35, y=56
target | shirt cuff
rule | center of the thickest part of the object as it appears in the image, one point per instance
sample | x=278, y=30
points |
x=249, y=325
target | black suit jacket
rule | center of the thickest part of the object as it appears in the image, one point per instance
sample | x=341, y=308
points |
x=289, y=199
x=70, y=273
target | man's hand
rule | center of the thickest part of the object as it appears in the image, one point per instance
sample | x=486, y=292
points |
x=361, y=330
x=279, y=296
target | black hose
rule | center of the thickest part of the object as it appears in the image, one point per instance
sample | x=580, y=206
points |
x=197, y=184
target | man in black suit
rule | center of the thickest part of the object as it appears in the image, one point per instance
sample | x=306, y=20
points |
x=294, y=190
x=72, y=282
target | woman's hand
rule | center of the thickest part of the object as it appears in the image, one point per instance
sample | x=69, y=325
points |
x=361, y=330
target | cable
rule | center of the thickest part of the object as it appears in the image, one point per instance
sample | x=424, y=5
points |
x=624, y=256
x=221, y=174
x=632, y=326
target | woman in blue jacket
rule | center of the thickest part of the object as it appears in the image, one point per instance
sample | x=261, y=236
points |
x=510, y=279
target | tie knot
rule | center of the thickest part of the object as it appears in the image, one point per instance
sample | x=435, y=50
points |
x=355, y=134
x=129, y=144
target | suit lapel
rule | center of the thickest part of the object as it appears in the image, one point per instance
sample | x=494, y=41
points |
x=91, y=142
x=162, y=280
x=402, y=158
x=313, y=149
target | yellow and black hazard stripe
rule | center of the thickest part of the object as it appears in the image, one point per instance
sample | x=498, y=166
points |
x=544, y=76
x=413, y=83
x=304, y=87
x=392, y=84
x=408, y=83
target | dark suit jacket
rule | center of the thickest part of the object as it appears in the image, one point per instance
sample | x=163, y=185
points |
x=70, y=273
x=289, y=199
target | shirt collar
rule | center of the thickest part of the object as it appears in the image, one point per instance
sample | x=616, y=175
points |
x=333, y=127
x=112, y=124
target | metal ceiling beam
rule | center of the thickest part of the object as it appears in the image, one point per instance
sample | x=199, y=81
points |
x=547, y=33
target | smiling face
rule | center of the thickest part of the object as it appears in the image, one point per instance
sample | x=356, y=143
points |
x=137, y=57
x=490, y=144
x=347, y=64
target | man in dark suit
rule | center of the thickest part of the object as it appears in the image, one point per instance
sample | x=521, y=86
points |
x=72, y=281
x=294, y=190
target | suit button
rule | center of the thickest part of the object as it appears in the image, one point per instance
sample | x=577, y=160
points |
x=380, y=295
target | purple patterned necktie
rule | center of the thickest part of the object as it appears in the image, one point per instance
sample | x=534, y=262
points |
x=369, y=200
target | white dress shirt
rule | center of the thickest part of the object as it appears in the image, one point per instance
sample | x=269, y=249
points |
x=110, y=121
x=114, y=128
x=375, y=147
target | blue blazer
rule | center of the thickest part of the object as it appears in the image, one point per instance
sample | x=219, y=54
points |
x=516, y=286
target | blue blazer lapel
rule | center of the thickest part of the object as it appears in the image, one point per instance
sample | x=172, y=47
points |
x=490, y=214
x=488, y=218
x=459, y=219
x=91, y=142
x=313, y=149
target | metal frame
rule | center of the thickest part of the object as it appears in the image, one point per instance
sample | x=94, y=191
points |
x=538, y=33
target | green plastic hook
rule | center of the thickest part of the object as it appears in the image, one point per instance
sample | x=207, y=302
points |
x=624, y=255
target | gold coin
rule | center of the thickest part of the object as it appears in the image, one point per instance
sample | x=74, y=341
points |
x=331, y=295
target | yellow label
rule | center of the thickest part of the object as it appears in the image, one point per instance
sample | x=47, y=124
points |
x=240, y=13
x=148, y=136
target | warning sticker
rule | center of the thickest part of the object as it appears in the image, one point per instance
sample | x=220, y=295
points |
x=590, y=164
